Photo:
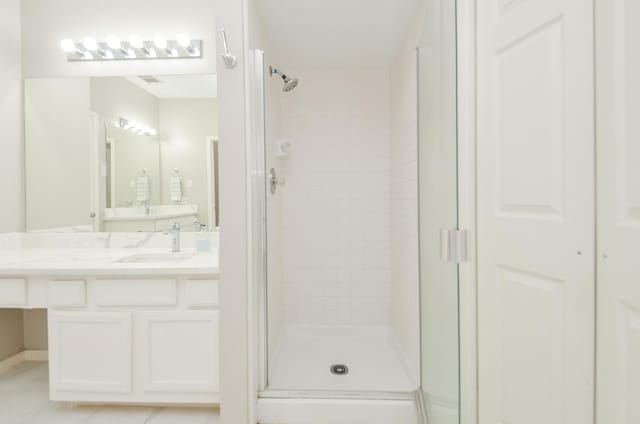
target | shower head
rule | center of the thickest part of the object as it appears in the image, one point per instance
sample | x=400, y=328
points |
x=289, y=83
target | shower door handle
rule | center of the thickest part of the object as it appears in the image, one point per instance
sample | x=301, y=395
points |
x=454, y=245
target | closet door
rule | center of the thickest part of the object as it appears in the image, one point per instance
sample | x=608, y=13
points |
x=535, y=211
x=618, y=111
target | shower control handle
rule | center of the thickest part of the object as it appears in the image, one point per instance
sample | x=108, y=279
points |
x=274, y=181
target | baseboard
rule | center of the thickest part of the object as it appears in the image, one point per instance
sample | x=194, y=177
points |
x=36, y=355
x=20, y=357
x=317, y=411
x=12, y=361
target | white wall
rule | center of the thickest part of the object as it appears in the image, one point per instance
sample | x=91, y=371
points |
x=45, y=23
x=11, y=145
x=11, y=158
x=57, y=137
x=336, y=206
x=184, y=127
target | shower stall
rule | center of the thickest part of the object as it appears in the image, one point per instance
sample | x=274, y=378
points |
x=355, y=199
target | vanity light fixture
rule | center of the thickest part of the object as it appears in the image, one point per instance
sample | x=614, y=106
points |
x=135, y=127
x=74, y=51
x=183, y=47
x=91, y=45
x=185, y=42
x=115, y=45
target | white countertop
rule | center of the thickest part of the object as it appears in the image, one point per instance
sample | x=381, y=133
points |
x=150, y=217
x=101, y=261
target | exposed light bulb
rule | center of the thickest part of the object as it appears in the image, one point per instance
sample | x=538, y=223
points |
x=171, y=52
x=130, y=54
x=136, y=41
x=90, y=44
x=107, y=54
x=160, y=42
x=150, y=52
x=114, y=42
x=68, y=45
x=193, y=51
x=183, y=40
x=86, y=55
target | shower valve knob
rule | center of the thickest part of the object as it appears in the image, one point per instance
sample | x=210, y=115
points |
x=274, y=181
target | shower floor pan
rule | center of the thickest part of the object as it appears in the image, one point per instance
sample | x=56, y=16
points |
x=304, y=359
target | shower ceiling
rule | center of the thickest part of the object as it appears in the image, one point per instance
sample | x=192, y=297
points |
x=338, y=32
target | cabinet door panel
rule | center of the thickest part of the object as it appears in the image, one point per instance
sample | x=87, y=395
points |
x=90, y=351
x=179, y=351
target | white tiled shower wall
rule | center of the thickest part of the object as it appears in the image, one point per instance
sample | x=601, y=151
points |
x=336, y=202
x=405, y=314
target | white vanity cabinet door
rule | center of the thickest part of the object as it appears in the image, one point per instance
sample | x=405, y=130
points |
x=90, y=352
x=178, y=351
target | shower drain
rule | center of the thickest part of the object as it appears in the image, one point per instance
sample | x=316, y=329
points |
x=339, y=369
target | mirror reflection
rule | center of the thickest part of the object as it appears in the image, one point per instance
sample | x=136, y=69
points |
x=123, y=153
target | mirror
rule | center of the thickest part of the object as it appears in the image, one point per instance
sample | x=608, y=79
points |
x=123, y=153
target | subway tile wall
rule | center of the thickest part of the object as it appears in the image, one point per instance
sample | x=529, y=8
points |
x=336, y=211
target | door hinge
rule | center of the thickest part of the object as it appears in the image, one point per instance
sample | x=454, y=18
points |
x=454, y=245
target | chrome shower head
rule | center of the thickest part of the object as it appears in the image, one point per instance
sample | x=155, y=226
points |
x=289, y=83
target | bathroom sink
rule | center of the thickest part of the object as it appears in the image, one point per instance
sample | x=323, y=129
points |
x=157, y=258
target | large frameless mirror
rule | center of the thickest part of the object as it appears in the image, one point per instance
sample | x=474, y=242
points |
x=122, y=153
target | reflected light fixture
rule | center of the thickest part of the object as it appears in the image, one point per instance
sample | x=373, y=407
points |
x=135, y=127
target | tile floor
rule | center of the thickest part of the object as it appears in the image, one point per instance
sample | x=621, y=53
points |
x=24, y=399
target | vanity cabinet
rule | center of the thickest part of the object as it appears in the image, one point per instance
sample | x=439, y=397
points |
x=90, y=352
x=173, y=355
x=136, y=341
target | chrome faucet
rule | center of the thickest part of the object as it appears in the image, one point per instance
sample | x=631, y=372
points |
x=175, y=237
x=146, y=207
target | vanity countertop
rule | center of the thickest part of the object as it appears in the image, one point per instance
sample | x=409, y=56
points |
x=100, y=261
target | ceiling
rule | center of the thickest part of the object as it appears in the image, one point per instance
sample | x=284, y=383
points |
x=180, y=86
x=337, y=32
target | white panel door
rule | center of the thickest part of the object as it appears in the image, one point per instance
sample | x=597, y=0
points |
x=618, y=110
x=179, y=351
x=535, y=211
x=90, y=352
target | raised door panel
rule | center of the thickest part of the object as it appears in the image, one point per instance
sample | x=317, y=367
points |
x=179, y=351
x=535, y=211
x=90, y=352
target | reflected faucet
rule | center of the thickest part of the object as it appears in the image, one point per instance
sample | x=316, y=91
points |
x=175, y=237
x=146, y=207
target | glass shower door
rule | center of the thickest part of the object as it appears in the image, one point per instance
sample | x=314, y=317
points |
x=438, y=213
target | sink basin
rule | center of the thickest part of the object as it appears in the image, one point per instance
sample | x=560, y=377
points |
x=157, y=258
